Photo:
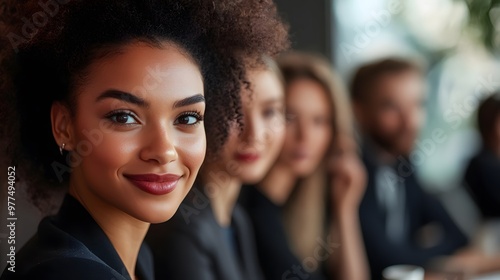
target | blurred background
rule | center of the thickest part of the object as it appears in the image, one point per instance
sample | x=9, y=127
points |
x=457, y=41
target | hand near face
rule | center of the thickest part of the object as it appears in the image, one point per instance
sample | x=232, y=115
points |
x=348, y=181
x=348, y=185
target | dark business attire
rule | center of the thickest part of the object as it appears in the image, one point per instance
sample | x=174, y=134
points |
x=482, y=179
x=275, y=254
x=393, y=210
x=193, y=246
x=71, y=245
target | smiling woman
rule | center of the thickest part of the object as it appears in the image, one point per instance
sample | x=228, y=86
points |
x=108, y=99
x=151, y=144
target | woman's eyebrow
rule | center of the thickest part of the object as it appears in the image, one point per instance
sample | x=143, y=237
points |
x=123, y=96
x=272, y=101
x=189, y=100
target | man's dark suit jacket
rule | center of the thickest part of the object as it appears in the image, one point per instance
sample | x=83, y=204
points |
x=420, y=208
x=193, y=246
x=70, y=245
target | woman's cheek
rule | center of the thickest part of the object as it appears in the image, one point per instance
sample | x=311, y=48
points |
x=113, y=152
x=324, y=138
x=277, y=140
x=280, y=133
x=289, y=142
x=191, y=149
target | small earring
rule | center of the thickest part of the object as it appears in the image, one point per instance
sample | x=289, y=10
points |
x=61, y=148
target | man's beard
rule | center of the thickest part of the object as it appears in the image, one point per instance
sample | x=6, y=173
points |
x=395, y=144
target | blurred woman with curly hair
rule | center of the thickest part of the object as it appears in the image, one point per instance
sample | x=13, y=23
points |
x=107, y=98
x=211, y=237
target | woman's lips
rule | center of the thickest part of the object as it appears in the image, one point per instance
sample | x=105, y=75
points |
x=249, y=157
x=153, y=183
x=300, y=155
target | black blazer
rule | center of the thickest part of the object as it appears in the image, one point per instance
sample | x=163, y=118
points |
x=276, y=257
x=70, y=245
x=193, y=246
x=420, y=209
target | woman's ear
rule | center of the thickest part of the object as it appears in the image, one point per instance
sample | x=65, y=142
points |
x=62, y=125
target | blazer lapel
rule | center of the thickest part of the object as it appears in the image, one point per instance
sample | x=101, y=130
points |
x=244, y=232
x=80, y=224
x=225, y=260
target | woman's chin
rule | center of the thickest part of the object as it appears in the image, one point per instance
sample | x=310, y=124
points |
x=303, y=170
x=155, y=215
x=252, y=178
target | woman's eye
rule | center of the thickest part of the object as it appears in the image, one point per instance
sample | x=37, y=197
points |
x=191, y=118
x=321, y=121
x=122, y=118
x=269, y=113
x=272, y=112
x=290, y=117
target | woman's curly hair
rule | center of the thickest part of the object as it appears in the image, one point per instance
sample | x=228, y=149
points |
x=48, y=45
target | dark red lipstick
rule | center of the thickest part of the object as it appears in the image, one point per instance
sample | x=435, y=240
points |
x=153, y=183
x=247, y=157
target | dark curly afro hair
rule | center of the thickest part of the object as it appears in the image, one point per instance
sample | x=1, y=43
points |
x=48, y=45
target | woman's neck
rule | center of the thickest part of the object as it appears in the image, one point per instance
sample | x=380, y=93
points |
x=125, y=232
x=278, y=184
x=223, y=191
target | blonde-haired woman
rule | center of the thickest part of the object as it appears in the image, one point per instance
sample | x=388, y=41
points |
x=305, y=211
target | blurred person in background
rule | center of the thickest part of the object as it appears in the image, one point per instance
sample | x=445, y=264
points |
x=388, y=100
x=307, y=205
x=482, y=176
x=210, y=237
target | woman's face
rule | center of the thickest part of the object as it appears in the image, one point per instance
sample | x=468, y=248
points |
x=137, y=137
x=249, y=155
x=309, y=126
